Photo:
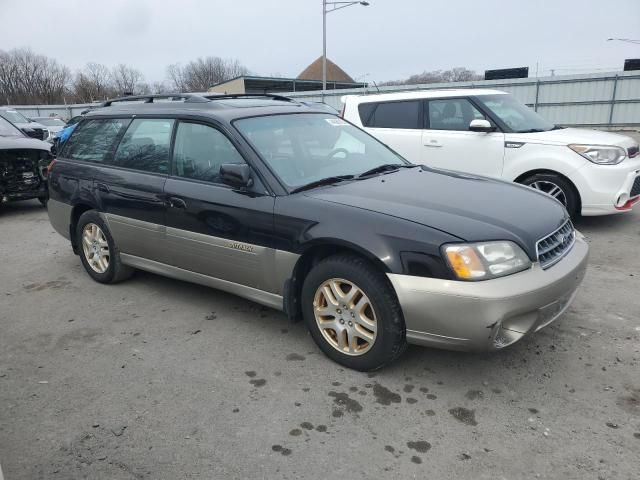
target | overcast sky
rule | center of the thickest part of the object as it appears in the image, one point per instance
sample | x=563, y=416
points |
x=390, y=39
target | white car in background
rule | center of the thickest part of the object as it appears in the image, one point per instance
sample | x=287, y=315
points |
x=490, y=133
x=54, y=124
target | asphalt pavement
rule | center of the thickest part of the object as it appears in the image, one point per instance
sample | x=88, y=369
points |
x=160, y=379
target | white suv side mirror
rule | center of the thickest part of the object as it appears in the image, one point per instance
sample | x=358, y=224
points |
x=480, y=125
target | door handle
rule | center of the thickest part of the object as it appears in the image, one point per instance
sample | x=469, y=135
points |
x=102, y=187
x=432, y=143
x=177, y=202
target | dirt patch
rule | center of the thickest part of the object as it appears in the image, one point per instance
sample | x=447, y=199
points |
x=464, y=415
x=384, y=396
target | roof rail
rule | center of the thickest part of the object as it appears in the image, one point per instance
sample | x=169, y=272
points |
x=187, y=97
x=218, y=96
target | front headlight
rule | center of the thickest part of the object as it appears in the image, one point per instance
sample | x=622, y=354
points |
x=600, y=154
x=482, y=261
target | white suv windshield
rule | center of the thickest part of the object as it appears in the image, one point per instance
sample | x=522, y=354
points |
x=8, y=130
x=307, y=147
x=13, y=116
x=515, y=115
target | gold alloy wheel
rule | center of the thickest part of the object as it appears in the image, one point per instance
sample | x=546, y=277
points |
x=345, y=316
x=95, y=248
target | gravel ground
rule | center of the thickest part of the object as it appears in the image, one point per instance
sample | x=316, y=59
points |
x=156, y=378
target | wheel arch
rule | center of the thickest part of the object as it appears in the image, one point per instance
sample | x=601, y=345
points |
x=520, y=178
x=311, y=256
x=76, y=212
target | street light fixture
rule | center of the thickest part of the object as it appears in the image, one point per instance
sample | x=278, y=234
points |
x=328, y=7
x=627, y=40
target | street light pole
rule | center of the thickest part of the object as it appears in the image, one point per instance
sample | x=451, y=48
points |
x=324, y=45
x=334, y=6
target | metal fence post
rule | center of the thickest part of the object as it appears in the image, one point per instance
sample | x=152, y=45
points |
x=535, y=105
x=613, y=99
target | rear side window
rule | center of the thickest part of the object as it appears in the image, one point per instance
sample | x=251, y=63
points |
x=391, y=114
x=199, y=151
x=145, y=146
x=95, y=139
x=452, y=114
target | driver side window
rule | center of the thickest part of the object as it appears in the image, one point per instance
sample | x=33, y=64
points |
x=200, y=150
x=452, y=114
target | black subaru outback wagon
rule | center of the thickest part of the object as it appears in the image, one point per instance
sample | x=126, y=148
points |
x=299, y=210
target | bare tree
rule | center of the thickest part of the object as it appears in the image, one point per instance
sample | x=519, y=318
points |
x=28, y=78
x=458, y=74
x=175, y=76
x=92, y=83
x=127, y=80
x=200, y=74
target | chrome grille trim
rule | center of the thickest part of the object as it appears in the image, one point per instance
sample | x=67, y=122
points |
x=552, y=248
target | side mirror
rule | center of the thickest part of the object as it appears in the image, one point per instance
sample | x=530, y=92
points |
x=480, y=125
x=236, y=175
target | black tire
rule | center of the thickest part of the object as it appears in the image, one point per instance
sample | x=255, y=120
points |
x=571, y=198
x=116, y=271
x=390, y=340
x=43, y=201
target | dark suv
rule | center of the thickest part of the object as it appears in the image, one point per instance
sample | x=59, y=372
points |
x=301, y=211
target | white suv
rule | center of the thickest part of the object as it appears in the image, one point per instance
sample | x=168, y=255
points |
x=490, y=133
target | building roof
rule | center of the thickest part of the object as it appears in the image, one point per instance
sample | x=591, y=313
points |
x=255, y=84
x=334, y=72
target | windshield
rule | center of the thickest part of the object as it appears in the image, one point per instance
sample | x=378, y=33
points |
x=8, y=130
x=50, y=122
x=307, y=147
x=13, y=116
x=517, y=116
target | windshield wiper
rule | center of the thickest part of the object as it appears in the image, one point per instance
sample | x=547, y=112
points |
x=322, y=181
x=532, y=130
x=386, y=167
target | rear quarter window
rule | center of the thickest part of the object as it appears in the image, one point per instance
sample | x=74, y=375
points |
x=402, y=114
x=94, y=139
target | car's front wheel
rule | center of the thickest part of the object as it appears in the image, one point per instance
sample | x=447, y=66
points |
x=98, y=251
x=353, y=313
x=556, y=186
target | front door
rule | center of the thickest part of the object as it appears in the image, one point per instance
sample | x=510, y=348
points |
x=449, y=144
x=213, y=229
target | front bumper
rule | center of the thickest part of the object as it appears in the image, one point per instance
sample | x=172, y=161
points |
x=606, y=189
x=488, y=315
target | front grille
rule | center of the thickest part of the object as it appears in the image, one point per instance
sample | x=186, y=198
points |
x=635, y=189
x=633, y=151
x=553, y=247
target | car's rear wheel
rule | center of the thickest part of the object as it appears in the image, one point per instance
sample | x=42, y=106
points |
x=43, y=201
x=556, y=186
x=99, y=254
x=352, y=313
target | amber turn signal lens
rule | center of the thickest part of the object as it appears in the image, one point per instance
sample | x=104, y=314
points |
x=465, y=263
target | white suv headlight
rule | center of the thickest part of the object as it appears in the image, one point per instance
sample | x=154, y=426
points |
x=600, y=154
x=482, y=261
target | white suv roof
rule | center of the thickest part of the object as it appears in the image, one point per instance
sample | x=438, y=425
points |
x=453, y=92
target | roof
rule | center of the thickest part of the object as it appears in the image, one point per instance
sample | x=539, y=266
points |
x=224, y=108
x=334, y=72
x=453, y=92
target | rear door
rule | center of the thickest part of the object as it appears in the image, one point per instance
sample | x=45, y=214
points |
x=213, y=229
x=448, y=143
x=397, y=124
x=128, y=183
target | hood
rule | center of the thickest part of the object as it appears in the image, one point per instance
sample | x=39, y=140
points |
x=12, y=143
x=567, y=136
x=469, y=207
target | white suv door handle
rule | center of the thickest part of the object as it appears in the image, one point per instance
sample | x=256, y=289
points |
x=432, y=143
